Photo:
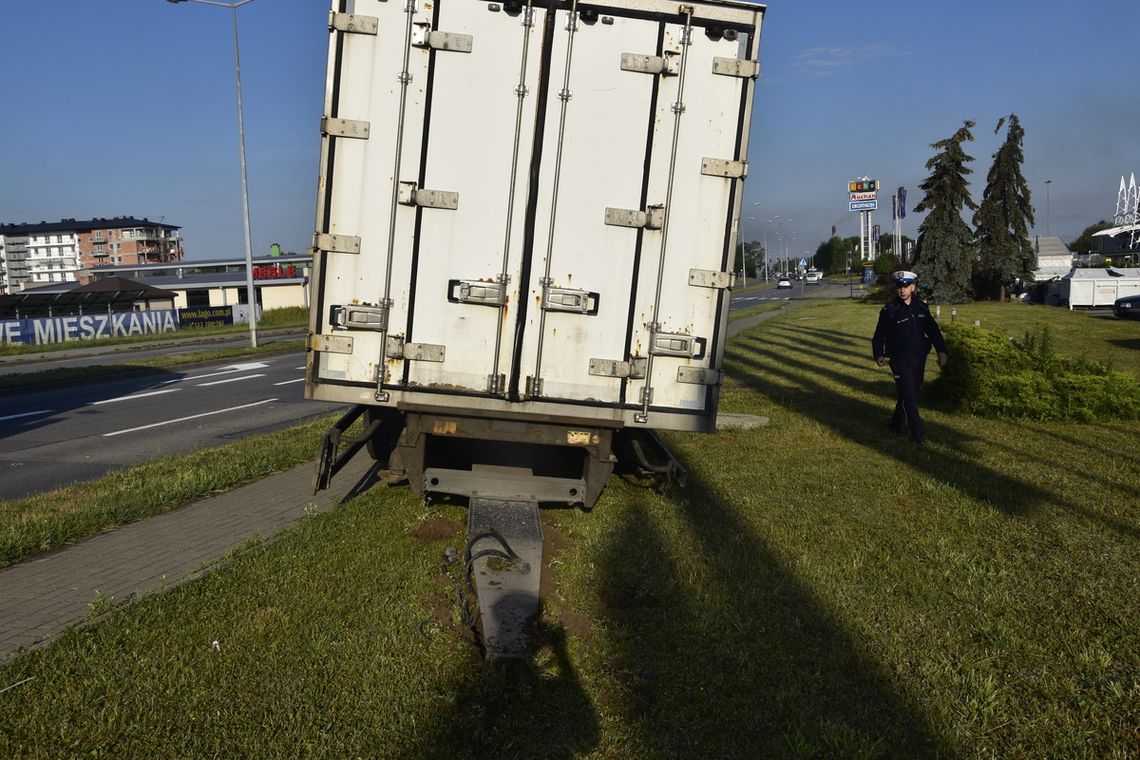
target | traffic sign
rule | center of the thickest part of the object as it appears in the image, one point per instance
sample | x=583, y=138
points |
x=803, y=263
x=863, y=205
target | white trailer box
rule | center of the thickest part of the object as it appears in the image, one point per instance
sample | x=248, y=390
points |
x=531, y=212
x=1098, y=288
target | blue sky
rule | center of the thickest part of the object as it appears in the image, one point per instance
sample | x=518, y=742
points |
x=127, y=107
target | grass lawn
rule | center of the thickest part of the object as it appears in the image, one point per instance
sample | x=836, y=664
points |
x=820, y=589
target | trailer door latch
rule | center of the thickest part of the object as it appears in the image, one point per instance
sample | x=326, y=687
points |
x=355, y=317
x=476, y=292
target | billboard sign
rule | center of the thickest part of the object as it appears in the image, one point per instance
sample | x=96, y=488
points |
x=864, y=196
x=863, y=205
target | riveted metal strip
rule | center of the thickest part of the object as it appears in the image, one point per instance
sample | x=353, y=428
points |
x=350, y=128
x=353, y=23
x=736, y=67
x=324, y=241
x=331, y=344
x=721, y=167
x=707, y=278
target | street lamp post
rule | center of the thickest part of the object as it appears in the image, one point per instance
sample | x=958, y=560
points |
x=1048, y=182
x=250, y=293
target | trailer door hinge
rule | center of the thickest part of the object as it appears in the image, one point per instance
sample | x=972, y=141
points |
x=411, y=194
x=330, y=344
x=357, y=130
x=533, y=386
x=709, y=278
x=677, y=344
x=633, y=369
x=722, y=167
x=736, y=67
x=353, y=317
x=397, y=348
x=570, y=300
x=476, y=292
x=424, y=37
x=652, y=218
x=324, y=241
x=651, y=64
x=698, y=376
x=353, y=22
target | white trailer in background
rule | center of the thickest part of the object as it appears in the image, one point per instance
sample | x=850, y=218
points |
x=526, y=223
x=1098, y=288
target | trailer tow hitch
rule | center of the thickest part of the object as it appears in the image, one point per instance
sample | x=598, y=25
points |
x=504, y=556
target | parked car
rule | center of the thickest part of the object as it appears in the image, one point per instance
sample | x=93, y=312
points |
x=784, y=282
x=1127, y=307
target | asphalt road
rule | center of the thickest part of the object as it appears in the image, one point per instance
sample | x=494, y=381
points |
x=61, y=435
x=769, y=293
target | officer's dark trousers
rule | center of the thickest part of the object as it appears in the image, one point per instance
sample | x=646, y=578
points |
x=908, y=370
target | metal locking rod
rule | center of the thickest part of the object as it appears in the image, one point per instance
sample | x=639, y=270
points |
x=678, y=109
x=564, y=95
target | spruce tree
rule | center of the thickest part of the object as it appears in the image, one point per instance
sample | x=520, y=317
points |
x=944, y=258
x=1005, y=253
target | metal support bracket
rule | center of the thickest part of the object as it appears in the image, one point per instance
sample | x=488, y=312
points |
x=723, y=167
x=330, y=344
x=327, y=242
x=698, y=376
x=424, y=37
x=651, y=64
x=353, y=23
x=736, y=67
x=357, y=130
x=708, y=278
x=396, y=348
x=411, y=194
x=652, y=218
x=633, y=369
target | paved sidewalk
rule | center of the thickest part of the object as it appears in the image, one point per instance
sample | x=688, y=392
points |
x=40, y=598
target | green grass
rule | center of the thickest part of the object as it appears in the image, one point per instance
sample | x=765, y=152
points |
x=752, y=311
x=820, y=589
x=56, y=518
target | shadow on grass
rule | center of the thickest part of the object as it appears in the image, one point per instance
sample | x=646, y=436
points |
x=816, y=392
x=1129, y=343
x=519, y=709
x=742, y=662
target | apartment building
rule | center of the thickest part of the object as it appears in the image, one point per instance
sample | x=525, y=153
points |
x=63, y=251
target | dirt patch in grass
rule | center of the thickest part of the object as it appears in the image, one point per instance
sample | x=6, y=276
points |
x=435, y=529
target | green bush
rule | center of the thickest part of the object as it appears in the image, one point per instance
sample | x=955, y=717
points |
x=991, y=374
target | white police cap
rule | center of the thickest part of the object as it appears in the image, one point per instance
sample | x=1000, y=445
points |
x=903, y=277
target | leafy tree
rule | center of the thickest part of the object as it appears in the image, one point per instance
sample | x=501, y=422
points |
x=1005, y=252
x=751, y=252
x=1085, y=243
x=944, y=258
x=832, y=255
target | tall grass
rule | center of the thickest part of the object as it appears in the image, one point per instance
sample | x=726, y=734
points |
x=820, y=589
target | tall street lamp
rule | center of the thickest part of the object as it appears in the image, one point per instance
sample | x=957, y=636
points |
x=250, y=293
x=1047, y=183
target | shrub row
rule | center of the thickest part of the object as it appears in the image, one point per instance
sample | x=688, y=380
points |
x=995, y=375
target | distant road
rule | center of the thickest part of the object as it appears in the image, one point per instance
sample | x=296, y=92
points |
x=768, y=293
x=57, y=436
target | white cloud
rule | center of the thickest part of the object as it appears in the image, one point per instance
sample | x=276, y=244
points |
x=822, y=61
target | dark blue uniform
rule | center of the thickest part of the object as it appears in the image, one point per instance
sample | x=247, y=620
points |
x=905, y=334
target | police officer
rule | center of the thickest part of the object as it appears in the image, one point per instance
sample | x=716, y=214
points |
x=904, y=335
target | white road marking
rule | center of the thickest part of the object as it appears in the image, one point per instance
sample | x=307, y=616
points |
x=26, y=414
x=287, y=382
x=133, y=396
x=227, y=371
x=230, y=380
x=191, y=417
x=299, y=368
